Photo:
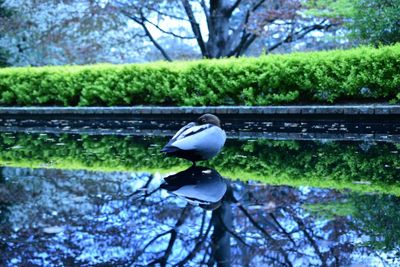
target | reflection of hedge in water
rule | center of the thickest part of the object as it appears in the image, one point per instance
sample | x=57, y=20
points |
x=285, y=159
x=89, y=152
x=334, y=160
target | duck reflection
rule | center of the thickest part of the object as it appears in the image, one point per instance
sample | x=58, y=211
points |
x=206, y=188
x=200, y=186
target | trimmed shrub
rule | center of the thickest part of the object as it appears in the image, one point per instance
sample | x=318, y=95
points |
x=357, y=75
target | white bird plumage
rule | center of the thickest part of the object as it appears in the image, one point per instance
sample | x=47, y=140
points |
x=200, y=140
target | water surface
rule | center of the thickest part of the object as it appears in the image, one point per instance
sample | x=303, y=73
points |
x=68, y=200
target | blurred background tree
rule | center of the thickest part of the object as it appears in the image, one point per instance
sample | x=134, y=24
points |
x=367, y=22
x=224, y=28
x=43, y=32
x=5, y=13
x=376, y=22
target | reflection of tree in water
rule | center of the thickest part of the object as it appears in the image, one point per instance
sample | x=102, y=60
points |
x=379, y=218
x=376, y=216
x=265, y=230
x=121, y=218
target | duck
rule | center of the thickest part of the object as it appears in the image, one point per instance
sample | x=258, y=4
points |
x=199, y=140
x=200, y=186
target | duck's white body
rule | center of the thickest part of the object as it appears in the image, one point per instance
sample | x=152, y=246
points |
x=196, y=142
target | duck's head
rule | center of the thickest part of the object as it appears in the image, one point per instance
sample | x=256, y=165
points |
x=209, y=119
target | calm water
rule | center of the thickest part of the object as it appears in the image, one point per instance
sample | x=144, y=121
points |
x=78, y=200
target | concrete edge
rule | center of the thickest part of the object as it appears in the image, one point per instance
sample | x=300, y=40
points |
x=305, y=110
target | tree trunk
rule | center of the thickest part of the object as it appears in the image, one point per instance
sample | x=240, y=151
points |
x=217, y=44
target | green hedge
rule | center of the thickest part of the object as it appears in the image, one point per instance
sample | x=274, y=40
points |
x=332, y=165
x=362, y=74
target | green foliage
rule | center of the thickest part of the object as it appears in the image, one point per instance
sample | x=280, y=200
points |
x=334, y=165
x=371, y=22
x=320, y=77
x=377, y=22
x=330, y=8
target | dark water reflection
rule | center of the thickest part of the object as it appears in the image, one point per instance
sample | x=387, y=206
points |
x=52, y=217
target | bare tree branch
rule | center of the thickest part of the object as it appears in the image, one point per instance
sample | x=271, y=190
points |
x=282, y=229
x=299, y=34
x=245, y=42
x=166, y=14
x=195, y=27
x=266, y=234
x=232, y=232
x=169, y=32
x=163, y=260
x=156, y=44
x=141, y=22
x=234, y=6
x=196, y=247
x=203, y=222
x=246, y=39
x=154, y=239
x=257, y=5
x=206, y=253
x=144, y=187
x=303, y=228
x=206, y=12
